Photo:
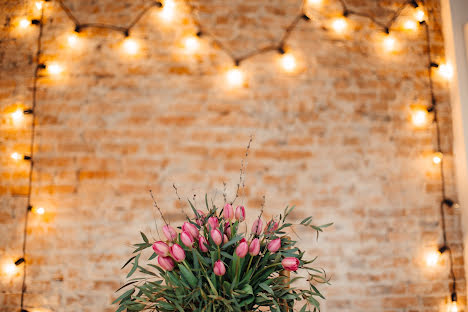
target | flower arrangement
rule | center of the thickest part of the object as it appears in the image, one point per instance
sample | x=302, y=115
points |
x=211, y=264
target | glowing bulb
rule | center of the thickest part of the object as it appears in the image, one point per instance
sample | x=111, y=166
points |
x=18, y=115
x=16, y=156
x=339, y=25
x=54, y=69
x=420, y=15
x=130, y=46
x=168, y=11
x=288, y=62
x=9, y=268
x=235, y=77
x=452, y=307
x=446, y=70
x=437, y=158
x=389, y=43
x=410, y=25
x=24, y=23
x=315, y=3
x=38, y=210
x=38, y=5
x=432, y=258
x=72, y=40
x=419, y=115
x=191, y=44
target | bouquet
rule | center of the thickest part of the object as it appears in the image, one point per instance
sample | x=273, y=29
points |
x=210, y=263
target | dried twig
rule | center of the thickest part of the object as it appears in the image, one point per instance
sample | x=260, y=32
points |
x=159, y=209
x=176, y=191
x=242, y=172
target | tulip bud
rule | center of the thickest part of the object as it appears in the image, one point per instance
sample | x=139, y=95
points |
x=166, y=263
x=201, y=219
x=290, y=263
x=170, y=233
x=242, y=249
x=186, y=239
x=177, y=253
x=228, y=212
x=240, y=213
x=217, y=237
x=190, y=228
x=225, y=239
x=203, y=244
x=219, y=268
x=254, y=247
x=274, y=245
x=161, y=249
x=213, y=223
x=227, y=230
x=271, y=227
x=257, y=227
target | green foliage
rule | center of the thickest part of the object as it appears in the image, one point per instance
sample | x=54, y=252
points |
x=249, y=283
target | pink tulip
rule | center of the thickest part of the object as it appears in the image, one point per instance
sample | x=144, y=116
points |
x=242, y=249
x=213, y=223
x=240, y=213
x=290, y=263
x=202, y=243
x=225, y=239
x=187, y=239
x=257, y=227
x=228, y=212
x=227, y=230
x=254, y=247
x=177, y=253
x=161, y=249
x=170, y=233
x=271, y=227
x=216, y=236
x=191, y=229
x=166, y=263
x=274, y=245
x=219, y=268
x=200, y=220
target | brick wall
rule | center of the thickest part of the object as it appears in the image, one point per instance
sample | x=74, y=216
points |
x=334, y=139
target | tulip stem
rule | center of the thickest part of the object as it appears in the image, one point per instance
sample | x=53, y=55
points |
x=250, y=262
x=219, y=253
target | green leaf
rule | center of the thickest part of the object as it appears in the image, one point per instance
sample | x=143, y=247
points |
x=188, y=275
x=135, y=266
x=126, y=294
x=144, y=237
x=266, y=288
x=126, y=263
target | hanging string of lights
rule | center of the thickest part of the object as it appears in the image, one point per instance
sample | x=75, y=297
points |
x=420, y=114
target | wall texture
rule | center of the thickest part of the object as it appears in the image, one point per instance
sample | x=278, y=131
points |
x=334, y=139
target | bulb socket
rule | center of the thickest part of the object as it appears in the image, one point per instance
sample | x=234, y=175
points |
x=435, y=65
x=30, y=208
x=126, y=32
x=35, y=22
x=305, y=17
x=237, y=62
x=345, y=13
x=281, y=50
x=28, y=111
x=443, y=249
x=199, y=33
x=387, y=30
x=158, y=4
x=414, y=4
x=453, y=296
x=26, y=157
x=41, y=66
x=448, y=202
x=77, y=28
x=19, y=261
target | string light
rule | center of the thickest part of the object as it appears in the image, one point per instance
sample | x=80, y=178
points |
x=432, y=258
x=16, y=156
x=339, y=25
x=130, y=46
x=38, y=5
x=72, y=40
x=315, y=3
x=9, y=269
x=235, y=77
x=419, y=116
x=446, y=70
x=191, y=44
x=420, y=15
x=410, y=25
x=437, y=158
x=38, y=210
x=288, y=62
x=17, y=115
x=24, y=23
x=452, y=307
x=168, y=11
x=389, y=43
x=54, y=69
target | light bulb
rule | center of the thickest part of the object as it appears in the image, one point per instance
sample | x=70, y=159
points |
x=72, y=40
x=9, y=268
x=168, y=11
x=288, y=62
x=437, y=158
x=17, y=115
x=131, y=46
x=446, y=70
x=410, y=25
x=38, y=210
x=452, y=307
x=314, y=3
x=420, y=15
x=389, y=43
x=24, y=23
x=54, y=69
x=191, y=44
x=339, y=25
x=432, y=258
x=16, y=156
x=419, y=115
x=38, y=5
x=235, y=77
